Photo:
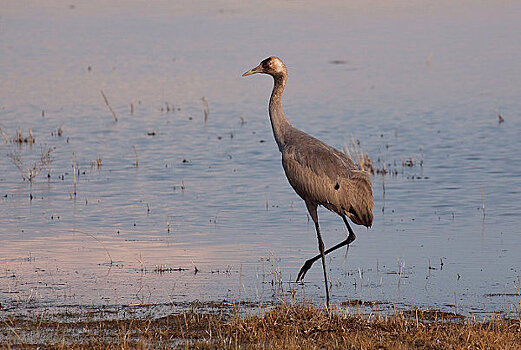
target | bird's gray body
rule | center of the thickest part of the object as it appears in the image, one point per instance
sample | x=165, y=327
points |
x=319, y=173
x=324, y=176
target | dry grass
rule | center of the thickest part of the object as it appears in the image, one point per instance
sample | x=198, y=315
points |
x=302, y=326
x=362, y=161
x=360, y=157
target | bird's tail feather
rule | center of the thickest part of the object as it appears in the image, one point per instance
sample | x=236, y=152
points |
x=361, y=199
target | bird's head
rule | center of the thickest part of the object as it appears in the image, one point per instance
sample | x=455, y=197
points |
x=271, y=65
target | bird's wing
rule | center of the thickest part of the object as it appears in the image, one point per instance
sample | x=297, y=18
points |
x=321, y=174
x=319, y=158
x=314, y=171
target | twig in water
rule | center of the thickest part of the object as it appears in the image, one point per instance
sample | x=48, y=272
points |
x=100, y=242
x=108, y=105
x=19, y=138
x=135, y=155
x=74, y=172
x=482, y=201
x=206, y=109
x=499, y=117
x=4, y=135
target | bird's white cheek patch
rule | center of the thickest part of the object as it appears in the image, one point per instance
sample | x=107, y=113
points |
x=277, y=65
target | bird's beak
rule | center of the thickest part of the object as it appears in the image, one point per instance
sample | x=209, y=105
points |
x=257, y=69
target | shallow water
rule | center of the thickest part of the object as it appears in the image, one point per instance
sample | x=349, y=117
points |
x=422, y=82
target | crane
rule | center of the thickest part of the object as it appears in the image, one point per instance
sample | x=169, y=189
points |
x=319, y=173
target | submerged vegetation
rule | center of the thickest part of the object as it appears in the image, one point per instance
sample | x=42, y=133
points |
x=30, y=172
x=286, y=326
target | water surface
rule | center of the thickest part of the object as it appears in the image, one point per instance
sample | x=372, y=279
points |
x=206, y=213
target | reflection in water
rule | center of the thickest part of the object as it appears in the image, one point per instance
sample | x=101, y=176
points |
x=133, y=208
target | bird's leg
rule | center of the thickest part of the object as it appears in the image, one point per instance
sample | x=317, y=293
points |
x=351, y=236
x=323, y=255
x=307, y=265
x=312, y=208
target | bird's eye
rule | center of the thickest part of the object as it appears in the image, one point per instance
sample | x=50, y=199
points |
x=266, y=63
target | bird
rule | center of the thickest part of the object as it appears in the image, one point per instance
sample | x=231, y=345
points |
x=320, y=174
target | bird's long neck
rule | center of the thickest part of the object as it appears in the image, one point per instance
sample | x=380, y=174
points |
x=279, y=122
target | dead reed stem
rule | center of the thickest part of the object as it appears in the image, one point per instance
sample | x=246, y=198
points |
x=359, y=156
x=108, y=105
x=19, y=136
x=74, y=172
x=206, y=109
x=135, y=155
x=4, y=135
x=483, y=201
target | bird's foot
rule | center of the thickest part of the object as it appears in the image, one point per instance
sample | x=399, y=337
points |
x=303, y=270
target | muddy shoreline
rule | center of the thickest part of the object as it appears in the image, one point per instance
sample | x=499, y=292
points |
x=248, y=325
